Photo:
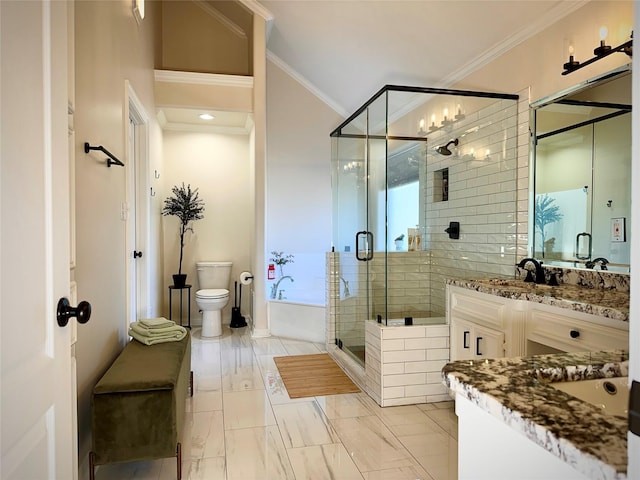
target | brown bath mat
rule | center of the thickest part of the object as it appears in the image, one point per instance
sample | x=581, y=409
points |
x=313, y=375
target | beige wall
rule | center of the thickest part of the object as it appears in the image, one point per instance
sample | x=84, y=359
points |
x=194, y=40
x=536, y=65
x=537, y=62
x=111, y=47
x=298, y=178
x=218, y=165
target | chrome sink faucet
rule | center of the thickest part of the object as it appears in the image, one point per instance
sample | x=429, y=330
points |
x=539, y=279
x=274, y=287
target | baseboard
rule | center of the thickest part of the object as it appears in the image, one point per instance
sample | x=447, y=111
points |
x=260, y=332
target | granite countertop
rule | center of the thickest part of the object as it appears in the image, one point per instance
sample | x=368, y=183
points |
x=610, y=303
x=517, y=392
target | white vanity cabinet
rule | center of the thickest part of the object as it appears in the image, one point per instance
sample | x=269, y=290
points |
x=570, y=331
x=474, y=341
x=483, y=325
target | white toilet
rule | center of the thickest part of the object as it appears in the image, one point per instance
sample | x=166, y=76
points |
x=213, y=295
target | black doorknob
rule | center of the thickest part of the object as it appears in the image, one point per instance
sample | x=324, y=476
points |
x=137, y=254
x=65, y=311
x=574, y=333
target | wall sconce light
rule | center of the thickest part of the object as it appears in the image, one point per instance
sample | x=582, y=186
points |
x=446, y=123
x=421, y=131
x=445, y=120
x=433, y=127
x=572, y=64
x=602, y=51
x=603, y=48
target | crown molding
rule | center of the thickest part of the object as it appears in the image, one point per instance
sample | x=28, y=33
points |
x=258, y=9
x=214, y=79
x=166, y=125
x=223, y=19
x=248, y=126
x=552, y=16
x=162, y=119
x=189, y=127
x=306, y=83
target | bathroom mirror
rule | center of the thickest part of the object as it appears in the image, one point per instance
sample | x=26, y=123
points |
x=581, y=175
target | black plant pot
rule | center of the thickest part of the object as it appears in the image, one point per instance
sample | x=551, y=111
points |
x=179, y=280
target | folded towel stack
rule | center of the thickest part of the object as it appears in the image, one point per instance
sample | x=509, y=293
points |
x=156, y=330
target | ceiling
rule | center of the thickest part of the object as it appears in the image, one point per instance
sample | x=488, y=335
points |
x=344, y=51
x=348, y=50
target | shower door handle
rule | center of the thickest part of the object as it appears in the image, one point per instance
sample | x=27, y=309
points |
x=368, y=246
x=582, y=257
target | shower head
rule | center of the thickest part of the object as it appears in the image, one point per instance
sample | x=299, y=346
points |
x=444, y=149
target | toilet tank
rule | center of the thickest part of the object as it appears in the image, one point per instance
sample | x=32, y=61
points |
x=213, y=274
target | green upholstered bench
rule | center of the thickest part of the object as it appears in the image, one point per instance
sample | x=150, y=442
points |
x=138, y=406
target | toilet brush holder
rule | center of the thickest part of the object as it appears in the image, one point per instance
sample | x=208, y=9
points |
x=237, y=320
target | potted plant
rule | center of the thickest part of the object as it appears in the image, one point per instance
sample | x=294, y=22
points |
x=184, y=204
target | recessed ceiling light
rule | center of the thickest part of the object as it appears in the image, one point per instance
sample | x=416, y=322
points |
x=206, y=116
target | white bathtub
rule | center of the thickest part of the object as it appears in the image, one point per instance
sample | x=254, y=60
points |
x=301, y=319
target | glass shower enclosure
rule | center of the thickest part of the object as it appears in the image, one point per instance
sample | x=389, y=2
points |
x=417, y=174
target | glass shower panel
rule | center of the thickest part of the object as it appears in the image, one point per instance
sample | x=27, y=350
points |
x=377, y=219
x=350, y=217
x=405, y=190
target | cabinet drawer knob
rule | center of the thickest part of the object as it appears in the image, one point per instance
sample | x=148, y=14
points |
x=574, y=333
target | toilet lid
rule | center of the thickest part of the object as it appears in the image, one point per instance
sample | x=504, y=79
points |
x=212, y=293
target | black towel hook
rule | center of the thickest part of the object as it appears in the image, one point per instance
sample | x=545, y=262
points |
x=112, y=160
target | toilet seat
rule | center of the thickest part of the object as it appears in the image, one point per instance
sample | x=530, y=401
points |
x=210, y=293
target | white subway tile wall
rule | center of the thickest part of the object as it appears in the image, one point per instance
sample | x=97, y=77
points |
x=488, y=184
x=403, y=363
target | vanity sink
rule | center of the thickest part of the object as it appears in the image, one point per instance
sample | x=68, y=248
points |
x=611, y=395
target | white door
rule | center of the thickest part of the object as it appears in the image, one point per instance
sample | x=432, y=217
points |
x=138, y=208
x=134, y=251
x=37, y=398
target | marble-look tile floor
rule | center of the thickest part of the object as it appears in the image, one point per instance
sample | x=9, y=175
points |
x=242, y=425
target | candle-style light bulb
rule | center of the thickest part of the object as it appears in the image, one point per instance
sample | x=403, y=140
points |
x=445, y=119
x=603, y=33
x=603, y=48
x=433, y=126
x=572, y=63
x=421, y=131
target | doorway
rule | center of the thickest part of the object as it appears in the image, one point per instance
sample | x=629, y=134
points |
x=136, y=208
